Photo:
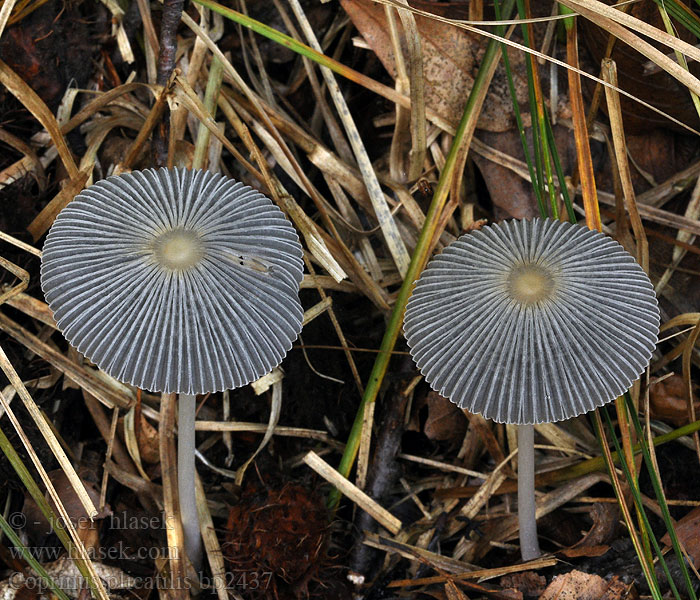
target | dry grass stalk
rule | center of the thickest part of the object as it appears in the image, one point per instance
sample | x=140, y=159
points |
x=85, y=378
x=380, y=514
x=29, y=98
x=482, y=574
x=47, y=433
x=689, y=346
x=275, y=409
x=41, y=223
x=223, y=426
x=438, y=561
x=5, y=12
x=609, y=71
x=692, y=211
x=392, y=237
x=211, y=544
x=175, y=550
x=78, y=487
x=363, y=460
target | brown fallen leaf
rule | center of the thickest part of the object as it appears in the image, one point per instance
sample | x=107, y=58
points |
x=604, y=529
x=37, y=525
x=451, y=59
x=618, y=589
x=658, y=89
x=688, y=532
x=577, y=585
x=445, y=420
x=668, y=401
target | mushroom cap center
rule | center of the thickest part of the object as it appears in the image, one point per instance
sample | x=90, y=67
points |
x=529, y=284
x=178, y=250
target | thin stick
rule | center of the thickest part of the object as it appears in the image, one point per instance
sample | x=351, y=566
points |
x=173, y=530
x=186, y=407
x=529, y=546
x=172, y=11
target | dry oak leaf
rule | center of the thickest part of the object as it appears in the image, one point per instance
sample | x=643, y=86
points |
x=451, y=58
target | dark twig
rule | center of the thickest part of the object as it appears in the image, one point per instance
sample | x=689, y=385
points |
x=172, y=10
x=382, y=475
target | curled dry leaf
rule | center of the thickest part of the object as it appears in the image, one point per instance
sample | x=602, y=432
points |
x=595, y=542
x=445, y=422
x=451, y=59
x=145, y=434
x=668, y=401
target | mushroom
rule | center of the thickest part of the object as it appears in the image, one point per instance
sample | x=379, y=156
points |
x=529, y=322
x=176, y=281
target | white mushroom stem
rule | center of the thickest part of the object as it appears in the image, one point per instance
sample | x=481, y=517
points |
x=529, y=546
x=185, y=477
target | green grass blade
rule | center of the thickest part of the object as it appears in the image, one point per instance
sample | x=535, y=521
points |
x=640, y=508
x=647, y=565
x=418, y=259
x=33, y=562
x=38, y=496
x=682, y=14
x=560, y=172
x=519, y=119
x=545, y=151
x=680, y=58
x=660, y=497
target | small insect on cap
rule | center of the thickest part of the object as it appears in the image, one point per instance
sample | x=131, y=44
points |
x=532, y=321
x=175, y=280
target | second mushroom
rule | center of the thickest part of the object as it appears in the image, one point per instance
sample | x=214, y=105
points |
x=529, y=322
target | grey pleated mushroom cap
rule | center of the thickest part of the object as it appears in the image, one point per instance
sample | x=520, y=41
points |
x=532, y=321
x=175, y=280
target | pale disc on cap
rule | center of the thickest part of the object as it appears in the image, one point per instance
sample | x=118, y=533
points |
x=532, y=321
x=175, y=280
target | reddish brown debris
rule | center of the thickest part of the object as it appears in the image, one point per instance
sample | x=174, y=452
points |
x=278, y=536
